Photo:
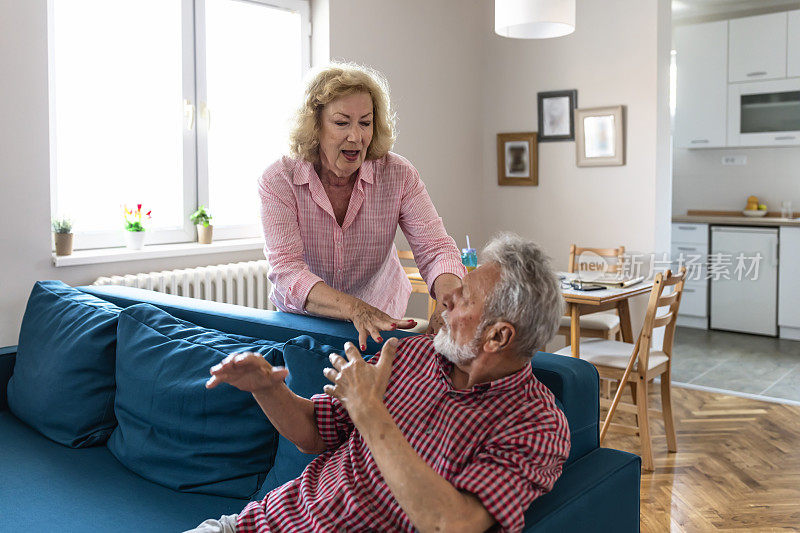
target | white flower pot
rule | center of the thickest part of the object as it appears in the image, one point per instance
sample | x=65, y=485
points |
x=134, y=240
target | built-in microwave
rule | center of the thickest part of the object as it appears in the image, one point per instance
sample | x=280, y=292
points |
x=764, y=113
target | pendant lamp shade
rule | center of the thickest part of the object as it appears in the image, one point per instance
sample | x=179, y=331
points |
x=534, y=19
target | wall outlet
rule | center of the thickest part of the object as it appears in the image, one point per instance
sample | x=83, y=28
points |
x=734, y=159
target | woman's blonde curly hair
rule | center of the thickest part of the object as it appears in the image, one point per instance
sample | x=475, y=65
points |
x=330, y=83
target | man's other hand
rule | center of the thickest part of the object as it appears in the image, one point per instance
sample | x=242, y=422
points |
x=247, y=371
x=358, y=385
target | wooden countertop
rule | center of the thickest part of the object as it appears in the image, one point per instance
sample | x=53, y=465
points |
x=735, y=218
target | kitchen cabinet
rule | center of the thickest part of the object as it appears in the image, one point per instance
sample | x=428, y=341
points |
x=743, y=269
x=690, y=249
x=757, y=47
x=702, y=84
x=738, y=82
x=764, y=113
x=789, y=283
x=793, y=46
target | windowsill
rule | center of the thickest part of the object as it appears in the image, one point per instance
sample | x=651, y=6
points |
x=155, y=251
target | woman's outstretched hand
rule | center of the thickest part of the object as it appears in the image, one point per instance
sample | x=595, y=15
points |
x=370, y=322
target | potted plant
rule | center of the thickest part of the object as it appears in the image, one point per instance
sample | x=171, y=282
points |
x=201, y=218
x=134, y=229
x=62, y=233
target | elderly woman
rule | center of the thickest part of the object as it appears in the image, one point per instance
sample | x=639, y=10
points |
x=330, y=211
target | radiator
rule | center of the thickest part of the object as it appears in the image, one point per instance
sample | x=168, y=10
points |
x=242, y=283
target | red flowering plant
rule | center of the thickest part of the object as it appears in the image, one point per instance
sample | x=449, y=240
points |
x=133, y=219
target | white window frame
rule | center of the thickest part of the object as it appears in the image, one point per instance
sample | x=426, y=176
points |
x=297, y=6
x=195, y=136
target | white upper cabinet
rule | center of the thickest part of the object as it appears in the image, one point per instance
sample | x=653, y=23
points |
x=702, y=86
x=793, y=48
x=757, y=47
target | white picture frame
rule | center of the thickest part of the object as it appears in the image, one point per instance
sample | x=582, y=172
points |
x=600, y=136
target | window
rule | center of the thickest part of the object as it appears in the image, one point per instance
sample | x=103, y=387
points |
x=171, y=104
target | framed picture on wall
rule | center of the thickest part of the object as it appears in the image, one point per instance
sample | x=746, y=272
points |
x=557, y=115
x=517, y=159
x=600, y=136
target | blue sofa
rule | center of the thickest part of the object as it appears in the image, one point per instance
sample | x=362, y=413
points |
x=45, y=486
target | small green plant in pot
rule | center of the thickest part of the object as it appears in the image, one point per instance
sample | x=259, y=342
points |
x=202, y=219
x=62, y=234
x=134, y=226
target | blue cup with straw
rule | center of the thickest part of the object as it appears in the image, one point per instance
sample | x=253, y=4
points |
x=469, y=257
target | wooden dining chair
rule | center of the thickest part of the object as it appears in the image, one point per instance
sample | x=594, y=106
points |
x=418, y=285
x=639, y=364
x=603, y=325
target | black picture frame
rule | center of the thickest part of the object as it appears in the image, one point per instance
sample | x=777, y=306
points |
x=546, y=125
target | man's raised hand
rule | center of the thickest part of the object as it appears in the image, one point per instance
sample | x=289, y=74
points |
x=247, y=371
x=358, y=385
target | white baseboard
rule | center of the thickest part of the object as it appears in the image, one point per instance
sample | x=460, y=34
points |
x=770, y=399
x=786, y=332
x=697, y=322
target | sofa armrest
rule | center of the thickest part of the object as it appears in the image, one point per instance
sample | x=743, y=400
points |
x=8, y=356
x=575, y=384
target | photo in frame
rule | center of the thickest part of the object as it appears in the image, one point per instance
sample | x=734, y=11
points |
x=556, y=111
x=517, y=159
x=600, y=136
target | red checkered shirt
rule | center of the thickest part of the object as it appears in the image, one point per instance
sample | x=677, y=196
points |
x=504, y=441
x=305, y=245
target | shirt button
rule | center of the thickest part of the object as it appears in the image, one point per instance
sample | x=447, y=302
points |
x=429, y=430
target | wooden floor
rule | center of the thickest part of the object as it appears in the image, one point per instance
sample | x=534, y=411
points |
x=737, y=467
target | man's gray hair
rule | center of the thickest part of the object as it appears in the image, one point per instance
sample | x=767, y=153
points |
x=528, y=294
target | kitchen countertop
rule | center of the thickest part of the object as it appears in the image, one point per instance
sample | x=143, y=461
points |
x=734, y=219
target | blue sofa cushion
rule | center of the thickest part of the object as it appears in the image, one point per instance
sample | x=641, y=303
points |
x=46, y=488
x=63, y=380
x=174, y=431
x=306, y=358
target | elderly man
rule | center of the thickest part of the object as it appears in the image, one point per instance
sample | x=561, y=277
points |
x=452, y=433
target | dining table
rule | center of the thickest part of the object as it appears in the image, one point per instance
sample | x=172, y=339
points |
x=584, y=302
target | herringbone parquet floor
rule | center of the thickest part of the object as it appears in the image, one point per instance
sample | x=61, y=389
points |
x=737, y=467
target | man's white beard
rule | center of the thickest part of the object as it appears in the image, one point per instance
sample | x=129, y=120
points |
x=457, y=354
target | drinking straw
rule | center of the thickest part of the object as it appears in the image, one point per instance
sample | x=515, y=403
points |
x=468, y=246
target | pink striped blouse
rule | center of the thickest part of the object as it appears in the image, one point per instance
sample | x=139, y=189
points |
x=305, y=245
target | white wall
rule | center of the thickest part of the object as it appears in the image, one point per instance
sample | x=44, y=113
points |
x=25, y=248
x=702, y=182
x=431, y=53
x=619, y=54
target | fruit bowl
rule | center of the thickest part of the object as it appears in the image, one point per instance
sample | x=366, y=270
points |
x=754, y=213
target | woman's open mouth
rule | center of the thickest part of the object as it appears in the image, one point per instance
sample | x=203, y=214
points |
x=351, y=155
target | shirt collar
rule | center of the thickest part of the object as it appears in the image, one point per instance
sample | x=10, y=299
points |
x=507, y=383
x=302, y=172
x=305, y=169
